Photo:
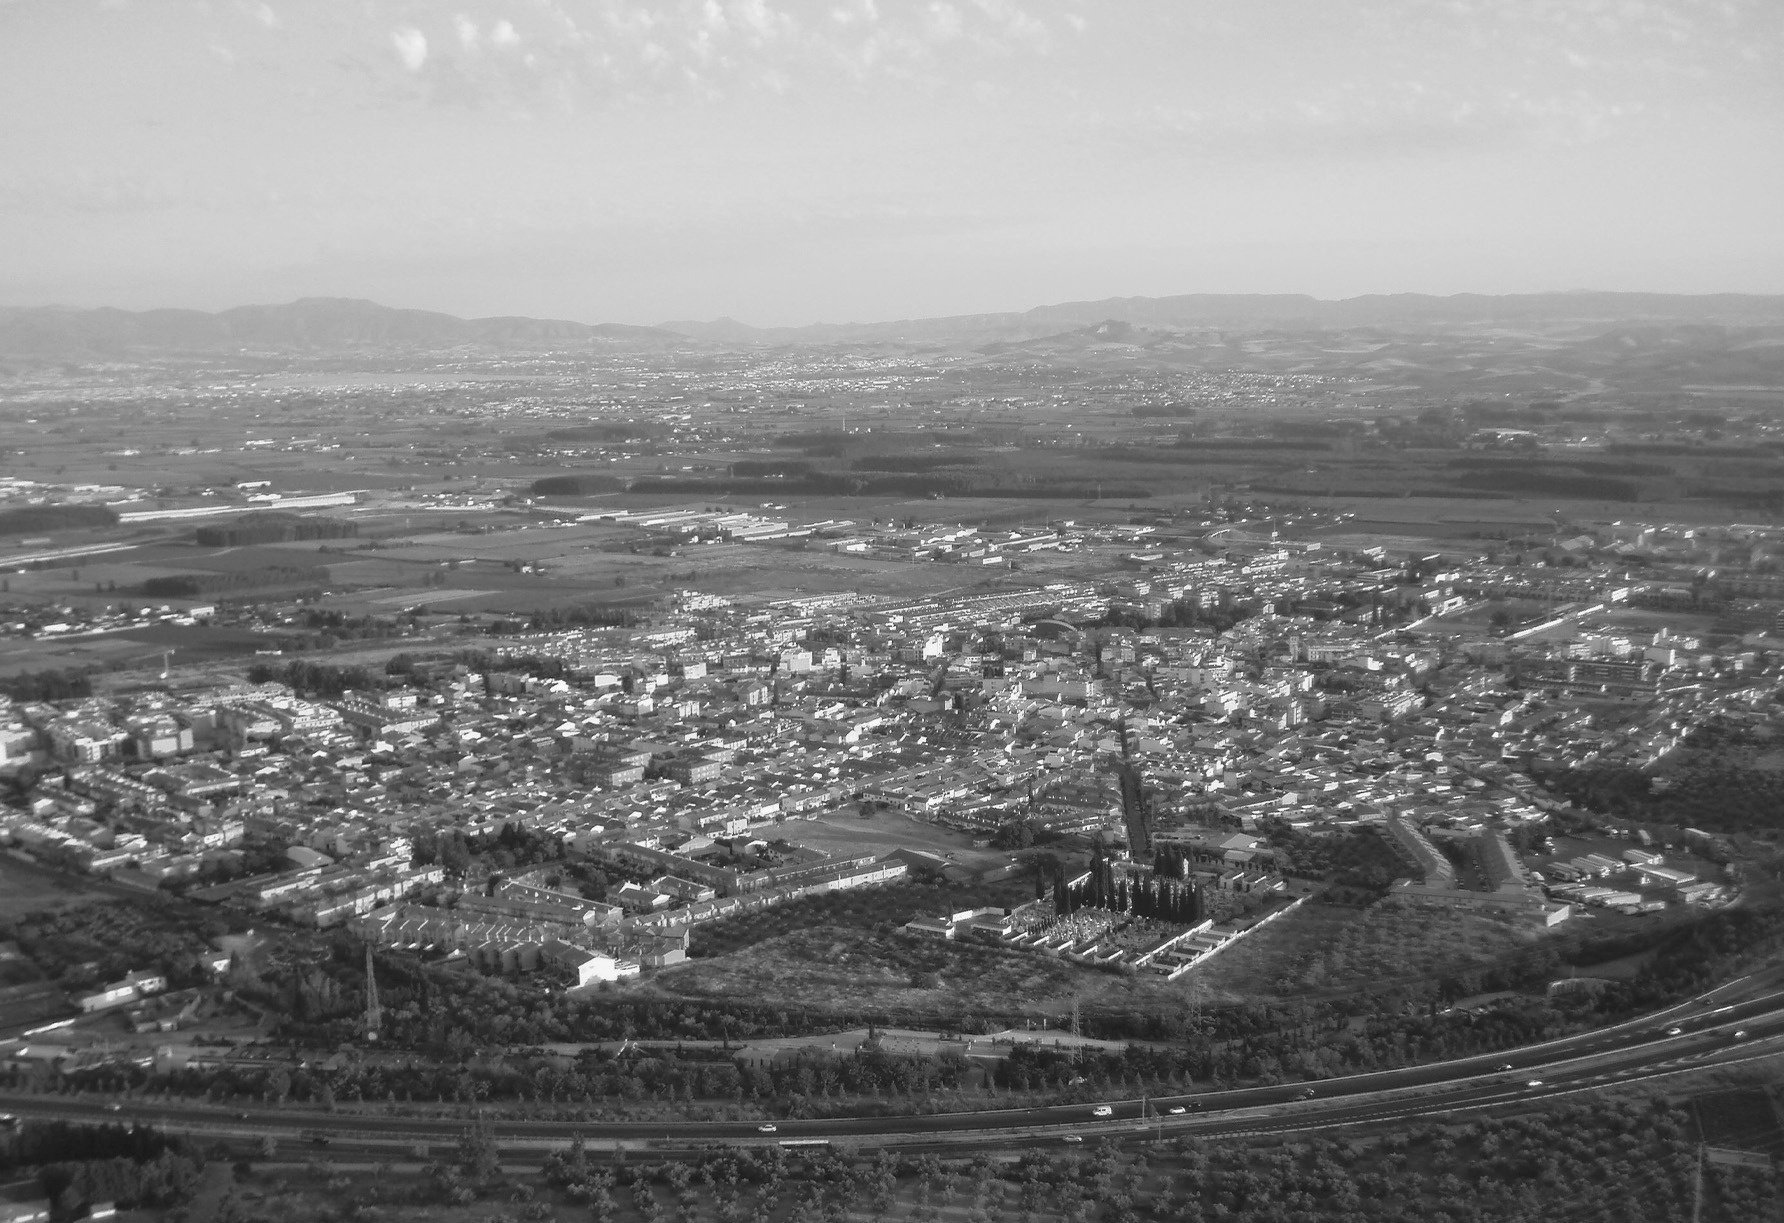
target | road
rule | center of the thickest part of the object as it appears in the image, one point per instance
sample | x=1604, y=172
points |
x=1741, y=1021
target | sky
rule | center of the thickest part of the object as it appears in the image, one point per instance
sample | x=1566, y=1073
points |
x=794, y=161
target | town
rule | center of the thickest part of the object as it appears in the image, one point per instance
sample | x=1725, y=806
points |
x=830, y=611
x=1181, y=724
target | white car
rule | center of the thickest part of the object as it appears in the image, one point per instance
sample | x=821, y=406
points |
x=1103, y=1110
x=767, y=1127
x=1533, y=1084
x=1178, y=1110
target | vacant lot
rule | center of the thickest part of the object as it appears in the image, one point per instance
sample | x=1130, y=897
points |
x=190, y=643
x=1393, y=941
x=831, y=968
x=838, y=968
x=879, y=909
x=1275, y=961
x=19, y=655
x=26, y=889
x=843, y=832
x=1328, y=947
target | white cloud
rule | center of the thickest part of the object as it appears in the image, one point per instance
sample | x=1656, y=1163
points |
x=864, y=11
x=1016, y=23
x=942, y=21
x=411, y=47
x=760, y=20
x=708, y=48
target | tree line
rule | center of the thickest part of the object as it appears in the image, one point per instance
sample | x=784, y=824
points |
x=80, y=1164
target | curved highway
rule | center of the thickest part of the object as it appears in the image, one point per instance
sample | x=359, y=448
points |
x=1704, y=1032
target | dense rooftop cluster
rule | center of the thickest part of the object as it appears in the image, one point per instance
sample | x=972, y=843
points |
x=1183, y=684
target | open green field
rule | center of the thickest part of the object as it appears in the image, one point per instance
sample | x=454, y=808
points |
x=104, y=650
x=878, y=832
x=1317, y=948
x=1652, y=620
x=845, y=969
x=26, y=889
x=1322, y=947
x=1399, y=941
x=1273, y=961
x=514, y=542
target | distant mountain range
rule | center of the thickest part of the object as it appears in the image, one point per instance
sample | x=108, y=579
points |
x=327, y=324
x=1276, y=312
x=314, y=324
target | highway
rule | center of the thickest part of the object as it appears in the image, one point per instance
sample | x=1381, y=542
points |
x=1693, y=1035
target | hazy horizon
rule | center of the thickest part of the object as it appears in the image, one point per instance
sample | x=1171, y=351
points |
x=784, y=162
x=856, y=322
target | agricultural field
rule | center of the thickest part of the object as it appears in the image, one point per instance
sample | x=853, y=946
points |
x=1320, y=948
x=851, y=970
x=580, y=565
x=106, y=650
x=1273, y=961
x=1741, y=1120
x=1394, y=941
